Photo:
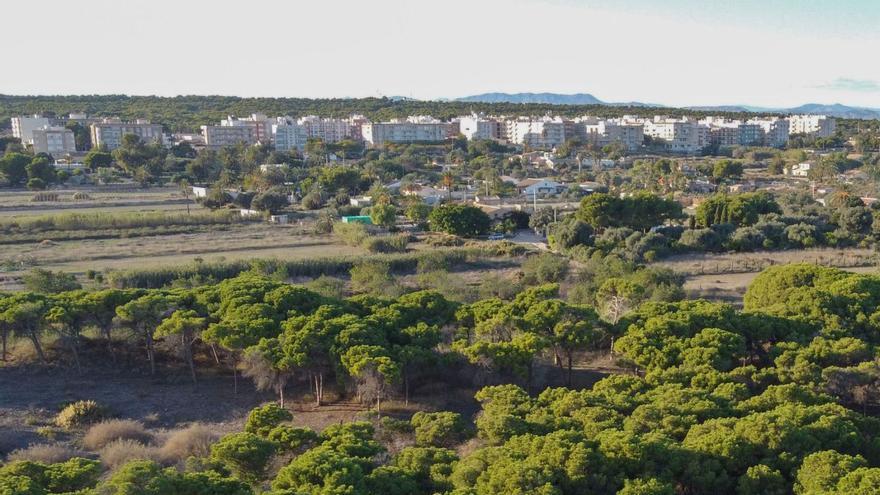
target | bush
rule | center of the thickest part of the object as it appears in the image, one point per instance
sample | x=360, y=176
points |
x=80, y=413
x=196, y=440
x=544, y=268
x=312, y=201
x=49, y=282
x=36, y=184
x=374, y=277
x=701, y=240
x=351, y=234
x=387, y=244
x=48, y=454
x=100, y=434
x=328, y=286
x=261, y=420
x=439, y=429
x=444, y=240
x=570, y=233
x=123, y=451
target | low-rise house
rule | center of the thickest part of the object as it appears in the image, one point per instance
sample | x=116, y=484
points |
x=279, y=219
x=539, y=187
x=799, y=170
x=200, y=191
x=246, y=212
x=361, y=201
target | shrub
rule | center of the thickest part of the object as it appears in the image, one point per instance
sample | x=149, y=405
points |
x=570, y=233
x=123, y=451
x=80, y=413
x=262, y=420
x=351, y=234
x=49, y=282
x=387, y=244
x=37, y=184
x=373, y=277
x=439, y=429
x=195, y=440
x=312, y=201
x=701, y=240
x=444, y=240
x=45, y=453
x=328, y=286
x=544, y=268
x=100, y=434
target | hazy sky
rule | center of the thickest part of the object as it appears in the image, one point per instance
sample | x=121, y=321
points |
x=675, y=52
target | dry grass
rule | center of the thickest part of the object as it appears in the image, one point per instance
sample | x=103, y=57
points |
x=103, y=433
x=120, y=452
x=45, y=453
x=196, y=440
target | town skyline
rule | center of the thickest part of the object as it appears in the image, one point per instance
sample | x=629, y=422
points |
x=769, y=54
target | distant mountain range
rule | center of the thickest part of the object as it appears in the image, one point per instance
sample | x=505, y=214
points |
x=835, y=110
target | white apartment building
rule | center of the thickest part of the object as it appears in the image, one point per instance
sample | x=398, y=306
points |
x=262, y=126
x=219, y=136
x=56, y=141
x=812, y=125
x=604, y=132
x=327, y=130
x=546, y=132
x=480, y=127
x=678, y=135
x=775, y=131
x=289, y=135
x=109, y=132
x=23, y=127
x=413, y=130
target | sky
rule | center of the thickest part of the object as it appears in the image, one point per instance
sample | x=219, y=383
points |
x=772, y=53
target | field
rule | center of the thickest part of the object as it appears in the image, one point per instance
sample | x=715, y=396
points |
x=725, y=277
x=146, y=247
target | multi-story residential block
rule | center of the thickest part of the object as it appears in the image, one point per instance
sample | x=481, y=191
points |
x=289, y=135
x=604, y=132
x=218, y=136
x=108, y=133
x=481, y=127
x=678, y=135
x=413, y=130
x=56, y=141
x=23, y=127
x=775, y=131
x=261, y=125
x=812, y=125
x=327, y=130
x=546, y=132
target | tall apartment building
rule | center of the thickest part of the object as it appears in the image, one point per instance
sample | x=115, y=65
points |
x=774, y=130
x=23, y=127
x=327, y=130
x=678, y=135
x=546, y=132
x=261, y=125
x=109, y=132
x=812, y=125
x=480, y=127
x=289, y=135
x=218, y=136
x=413, y=130
x=56, y=141
x=604, y=132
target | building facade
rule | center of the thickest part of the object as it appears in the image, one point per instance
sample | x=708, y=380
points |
x=23, y=127
x=56, y=141
x=108, y=133
x=812, y=125
x=219, y=136
x=413, y=130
